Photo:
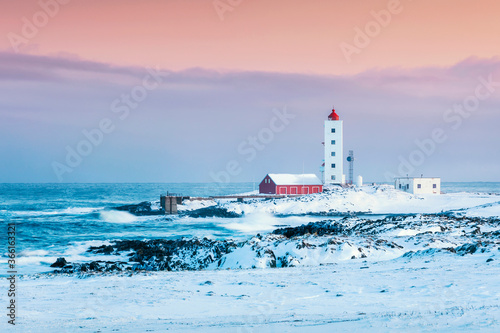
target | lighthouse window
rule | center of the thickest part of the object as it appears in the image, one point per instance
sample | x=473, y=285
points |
x=333, y=177
x=419, y=186
x=333, y=166
x=333, y=142
x=333, y=130
x=434, y=186
x=333, y=153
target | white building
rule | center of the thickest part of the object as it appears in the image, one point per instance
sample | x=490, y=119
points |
x=334, y=150
x=419, y=185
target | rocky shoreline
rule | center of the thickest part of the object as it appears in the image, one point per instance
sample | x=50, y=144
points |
x=147, y=208
x=329, y=240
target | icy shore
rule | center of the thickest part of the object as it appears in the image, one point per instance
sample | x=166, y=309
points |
x=369, y=259
x=317, y=243
x=442, y=292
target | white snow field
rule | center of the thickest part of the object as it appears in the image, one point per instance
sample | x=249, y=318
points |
x=445, y=292
x=379, y=199
x=435, y=269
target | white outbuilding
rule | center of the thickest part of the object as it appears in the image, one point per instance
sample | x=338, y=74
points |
x=419, y=185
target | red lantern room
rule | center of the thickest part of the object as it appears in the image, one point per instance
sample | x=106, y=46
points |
x=333, y=115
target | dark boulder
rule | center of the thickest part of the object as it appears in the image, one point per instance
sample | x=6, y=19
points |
x=211, y=212
x=164, y=254
x=103, y=249
x=141, y=209
x=313, y=228
x=94, y=266
x=467, y=249
x=60, y=262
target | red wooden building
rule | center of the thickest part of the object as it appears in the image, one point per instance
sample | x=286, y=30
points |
x=290, y=184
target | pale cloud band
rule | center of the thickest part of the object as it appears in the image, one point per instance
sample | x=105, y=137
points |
x=48, y=102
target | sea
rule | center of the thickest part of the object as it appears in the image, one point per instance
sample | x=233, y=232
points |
x=64, y=220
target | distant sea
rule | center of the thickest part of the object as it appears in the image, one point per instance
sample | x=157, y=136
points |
x=479, y=187
x=63, y=220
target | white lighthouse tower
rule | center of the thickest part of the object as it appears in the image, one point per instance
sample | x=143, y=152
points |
x=334, y=150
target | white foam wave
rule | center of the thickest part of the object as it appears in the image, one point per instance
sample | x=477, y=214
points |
x=113, y=216
x=67, y=211
x=80, y=210
x=258, y=221
x=34, y=261
x=28, y=253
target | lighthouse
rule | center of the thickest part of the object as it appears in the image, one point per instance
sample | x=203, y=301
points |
x=334, y=150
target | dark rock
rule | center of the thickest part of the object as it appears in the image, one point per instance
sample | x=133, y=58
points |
x=271, y=257
x=60, y=262
x=114, y=267
x=489, y=260
x=383, y=242
x=286, y=261
x=466, y=249
x=213, y=211
x=451, y=249
x=168, y=255
x=104, y=249
x=141, y=209
x=317, y=228
x=306, y=245
x=477, y=231
x=94, y=266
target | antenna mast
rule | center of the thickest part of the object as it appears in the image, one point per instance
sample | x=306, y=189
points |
x=350, y=159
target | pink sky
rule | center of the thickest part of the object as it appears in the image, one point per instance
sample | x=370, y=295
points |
x=277, y=35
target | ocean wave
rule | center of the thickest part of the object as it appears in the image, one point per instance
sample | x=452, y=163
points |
x=67, y=211
x=34, y=261
x=259, y=221
x=31, y=253
x=114, y=216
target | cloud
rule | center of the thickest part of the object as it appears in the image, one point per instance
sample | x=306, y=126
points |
x=195, y=121
x=25, y=67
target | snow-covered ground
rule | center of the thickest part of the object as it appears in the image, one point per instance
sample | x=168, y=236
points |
x=443, y=292
x=417, y=264
x=380, y=199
